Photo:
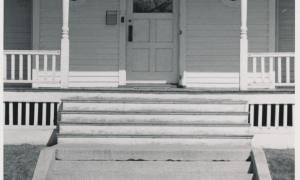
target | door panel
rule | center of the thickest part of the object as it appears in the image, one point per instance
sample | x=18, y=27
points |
x=164, y=60
x=141, y=30
x=140, y=60
x=152, y=52
x=164, y=31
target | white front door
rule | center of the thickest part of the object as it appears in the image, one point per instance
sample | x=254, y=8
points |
x=152, y=38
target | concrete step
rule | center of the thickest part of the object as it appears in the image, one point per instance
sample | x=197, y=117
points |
x=153, y=106
x=167, y=129
x=156, y=140
x=149, y=170
x=154, y=118
x=150, y=99
x=184, y=93
x=150, y=153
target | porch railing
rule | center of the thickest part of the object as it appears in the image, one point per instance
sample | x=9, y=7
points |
x=271, y=116
x=271, y=70
x=39, y=67
x=30, y=114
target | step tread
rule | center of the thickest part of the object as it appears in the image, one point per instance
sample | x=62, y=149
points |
x=149, y=112
x=148, y=147
x=150, y=153
x=156, y=136
x=158, y=121
x=152, y=100
x=166, y=165
x=146, y=176
x=171, y=124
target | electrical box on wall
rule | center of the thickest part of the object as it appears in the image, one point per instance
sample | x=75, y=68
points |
x=111, y=17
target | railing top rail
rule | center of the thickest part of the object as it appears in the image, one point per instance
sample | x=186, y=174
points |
x=33, y=52
x=272, y=54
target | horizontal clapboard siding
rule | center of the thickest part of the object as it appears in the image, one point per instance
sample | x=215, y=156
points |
x=94, y=46
x=17, y=24
x=213, y=40
x=286, y=25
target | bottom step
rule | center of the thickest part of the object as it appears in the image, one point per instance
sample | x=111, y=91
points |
x=112, y=170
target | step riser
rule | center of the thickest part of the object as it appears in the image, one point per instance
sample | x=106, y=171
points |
x=154, y=107
x=127, y=176
x=108, y=155
x=133, y=118
x=205, y=142
x=157, y=95
x=151, y=130
x=151, y=167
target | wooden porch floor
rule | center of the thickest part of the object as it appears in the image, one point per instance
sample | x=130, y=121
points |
x=148, y=89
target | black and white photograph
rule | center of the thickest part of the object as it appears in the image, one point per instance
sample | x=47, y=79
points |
x=148, y=89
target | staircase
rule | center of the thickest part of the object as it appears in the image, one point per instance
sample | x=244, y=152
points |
x=152, y=137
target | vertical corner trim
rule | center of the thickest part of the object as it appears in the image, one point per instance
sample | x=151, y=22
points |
x=122, y=45
x=182, y=41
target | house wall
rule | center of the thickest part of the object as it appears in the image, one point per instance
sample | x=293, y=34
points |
x=17, y=24
x=93, y=45
x=213, y=40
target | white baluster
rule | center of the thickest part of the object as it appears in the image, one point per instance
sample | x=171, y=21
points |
x=260, y=109
x=28, y=67
x=13, y=64
x=10, y=114
x=279, y=70
x=27, y=123
x=52, y=114
x=45, y=63
x=254, y=65
x=271, y=68
x=252, y=115
x=285, y=115
x=4, y=112
x=5, y=67
x=37, y=66
x=36, y=113
x=288, y=76
x=294, y=114
x=57, y=109
x=269, y=115
x=262, y=63
x=277, y=115
x=37, y=62
x=53, y=67
x=19, y=114
x=21, y=67
x=44, y=114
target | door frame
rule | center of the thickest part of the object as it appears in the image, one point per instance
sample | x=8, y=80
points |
x=180, y=44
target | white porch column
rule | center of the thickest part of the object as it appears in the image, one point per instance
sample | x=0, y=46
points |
x=65, y=45
x=244, y=46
